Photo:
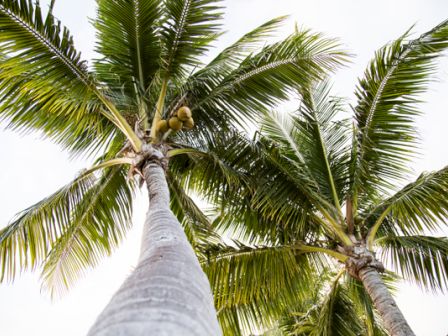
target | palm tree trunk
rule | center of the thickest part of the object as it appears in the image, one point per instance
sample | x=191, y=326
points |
x=393, y=318
x=167, y=293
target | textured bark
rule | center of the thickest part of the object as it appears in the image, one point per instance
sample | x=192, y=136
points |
x=167, y=293
x=393, y=319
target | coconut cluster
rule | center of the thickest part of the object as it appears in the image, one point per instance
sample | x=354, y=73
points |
x=181, y=119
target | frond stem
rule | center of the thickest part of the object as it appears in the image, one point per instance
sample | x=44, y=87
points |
x=337, y=229
x=372, y=232
x=159, y=110
x=307, y=248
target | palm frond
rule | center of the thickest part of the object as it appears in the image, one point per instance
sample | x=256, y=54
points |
x=45, y=85
x=26, y=241
x=189, y=28
x=328, y=310
x=70, y=230
x=264, y=79
x=338, y=315
x=323, y=140
x=253, y=285
x=388, y=97
x=419, y=206
x=288, y=160
x=232, y=56
x=215, y=166
x=420, y=259
x=97, y=226
x=229, y=59
x=129, y=43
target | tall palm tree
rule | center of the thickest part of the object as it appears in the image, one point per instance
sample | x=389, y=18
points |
x=133, y=108
x=320, y=199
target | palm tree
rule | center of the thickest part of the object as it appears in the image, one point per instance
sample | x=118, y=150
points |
x=133, y=109
x=320, y=200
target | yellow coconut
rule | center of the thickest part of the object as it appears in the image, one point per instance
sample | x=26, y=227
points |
x=162, y=126
x=189, y=123
x=175, y=124
x=184, y=113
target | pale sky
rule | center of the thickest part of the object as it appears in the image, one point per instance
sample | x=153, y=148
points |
x=33, y=168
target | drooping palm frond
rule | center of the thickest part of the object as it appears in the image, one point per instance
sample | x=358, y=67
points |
x=26, y=241
x=419, y=206
x=420, y=259
x=45, y=85
x=388, y=97
x=129, y=43
x=70, y=230
x=97, y=226
x=254, y=285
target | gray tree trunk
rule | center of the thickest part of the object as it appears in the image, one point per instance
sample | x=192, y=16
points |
x=167, y=293
x=392, y=316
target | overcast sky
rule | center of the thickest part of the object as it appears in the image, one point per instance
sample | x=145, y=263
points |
x=33, y=168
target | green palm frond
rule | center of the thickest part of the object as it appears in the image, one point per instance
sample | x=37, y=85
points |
x=229, y=59
x=129, y=43
x=232, y=56
x=225, y=167
x=365, y=309
x=419, y=206
x=69, y=230
x=290, y=156
x=189, y=28
x=215, y=167
x=97, y=226
x=253, y=285
x=388, y=98
x=295, y=175
x=26, y=241
x=266, y=78
x=338, y=315
x=328, y=310
x=45, y=85
x=323, y=139
x=420, y=259
x=280, y=128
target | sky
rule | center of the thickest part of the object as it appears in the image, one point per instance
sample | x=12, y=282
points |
x=33, y=168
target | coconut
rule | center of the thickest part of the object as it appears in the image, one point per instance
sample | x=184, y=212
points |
x=184, y=113
x=189, y=123
x=162, y=126
x=175, y=124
